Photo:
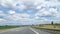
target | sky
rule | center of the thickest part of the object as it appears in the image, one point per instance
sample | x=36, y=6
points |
x=27, y=12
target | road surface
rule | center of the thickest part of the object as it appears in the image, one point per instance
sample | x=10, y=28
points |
x=25, y=30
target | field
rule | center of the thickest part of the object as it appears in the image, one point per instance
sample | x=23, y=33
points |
x=7, y=27
x=54, y=28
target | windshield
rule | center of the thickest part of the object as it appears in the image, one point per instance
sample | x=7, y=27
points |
x=29, y=16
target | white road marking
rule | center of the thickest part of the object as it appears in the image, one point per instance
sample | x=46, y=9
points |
x=34, y=31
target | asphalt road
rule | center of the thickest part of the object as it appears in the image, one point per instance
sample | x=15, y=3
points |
x=25, y=30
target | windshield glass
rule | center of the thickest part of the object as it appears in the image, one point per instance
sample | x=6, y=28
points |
x=29, y=16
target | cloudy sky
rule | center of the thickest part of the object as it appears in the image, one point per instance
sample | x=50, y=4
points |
x=22, y=12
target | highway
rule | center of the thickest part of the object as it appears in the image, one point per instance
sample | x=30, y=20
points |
x=25, y=30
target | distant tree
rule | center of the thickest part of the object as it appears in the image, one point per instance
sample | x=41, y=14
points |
x=32, y=24
x=6, y=25
x=52, y=22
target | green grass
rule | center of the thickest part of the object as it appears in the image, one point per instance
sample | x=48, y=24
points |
x=51, y=24
x=7, y=27
x=58, y=33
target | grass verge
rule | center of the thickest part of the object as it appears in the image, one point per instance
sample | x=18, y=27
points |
x=7, y=27
x=55, y=28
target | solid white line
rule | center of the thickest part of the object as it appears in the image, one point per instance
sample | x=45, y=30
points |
x=34, y=31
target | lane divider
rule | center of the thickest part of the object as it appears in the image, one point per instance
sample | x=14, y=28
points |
x=34, y=31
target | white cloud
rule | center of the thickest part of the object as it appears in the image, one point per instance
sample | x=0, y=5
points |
x=1, y=20
x=40, y=18
x=12, y=4
x=14, y=18
x=36, y=17
x=29, y=4
x=58, y=14
x=49, y=14
x=43, y=13
x=18, y=16
x=11, y=12
x=1, y=12
x=50, y=11
x=24, y=3
x=21, y=7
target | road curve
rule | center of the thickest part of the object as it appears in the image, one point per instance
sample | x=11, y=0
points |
x=25, y=30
